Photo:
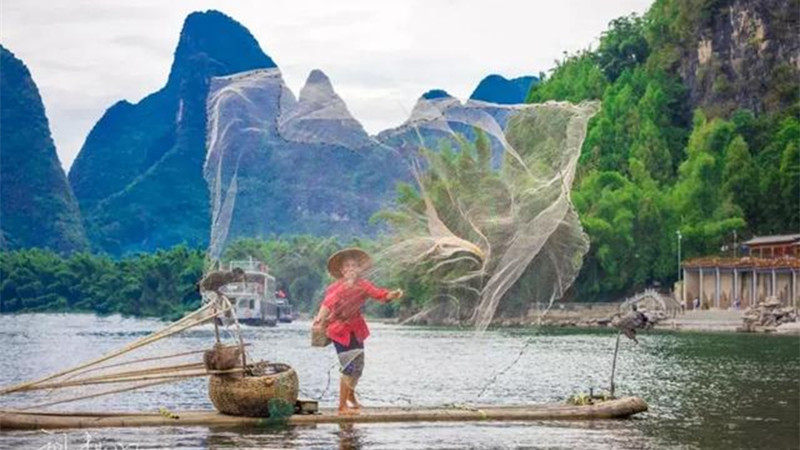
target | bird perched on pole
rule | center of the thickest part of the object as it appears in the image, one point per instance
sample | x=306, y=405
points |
x=630, y=322
x=627, y=324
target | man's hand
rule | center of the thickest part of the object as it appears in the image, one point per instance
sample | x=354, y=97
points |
x=397, y=293
x=321, y=320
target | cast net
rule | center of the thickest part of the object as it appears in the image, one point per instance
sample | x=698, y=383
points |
x=485, y=223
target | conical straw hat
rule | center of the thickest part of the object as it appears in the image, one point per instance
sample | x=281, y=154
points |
x=336, y=260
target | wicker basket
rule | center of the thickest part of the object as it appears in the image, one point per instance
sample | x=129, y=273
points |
x=261, y=396
x=319, y=338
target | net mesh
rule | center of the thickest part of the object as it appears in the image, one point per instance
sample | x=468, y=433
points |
x=490, y=216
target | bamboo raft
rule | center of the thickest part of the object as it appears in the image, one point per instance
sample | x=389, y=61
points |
x=612, y=409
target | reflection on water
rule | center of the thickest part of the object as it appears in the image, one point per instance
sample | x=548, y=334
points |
x=350, y=437
x=704, y=390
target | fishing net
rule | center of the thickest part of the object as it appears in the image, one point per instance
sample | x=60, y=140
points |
x=484, y=233
x=489, y=217
x=280, y=165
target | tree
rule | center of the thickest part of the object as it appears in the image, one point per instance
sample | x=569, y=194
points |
x=740, y=177
x=623, y=46
x=576, y=78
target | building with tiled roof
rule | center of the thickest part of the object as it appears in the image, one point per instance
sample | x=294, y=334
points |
x=770, y=270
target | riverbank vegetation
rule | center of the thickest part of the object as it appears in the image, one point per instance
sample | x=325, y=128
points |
x=161, y=284
x=654, y=162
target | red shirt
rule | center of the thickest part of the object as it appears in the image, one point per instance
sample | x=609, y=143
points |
x=344, y=305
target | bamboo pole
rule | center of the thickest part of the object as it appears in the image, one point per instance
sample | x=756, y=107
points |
x=174, y=328
x=98, y=380
x=98, y=394
x=154, y=358
x=238, y=329
x=137, y=361
x=124, y=374
x=37, y=420
x=216, y=325
x=614, y=363
x=216, y=328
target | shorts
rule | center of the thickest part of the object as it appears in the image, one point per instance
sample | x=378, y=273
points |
x=351, y=357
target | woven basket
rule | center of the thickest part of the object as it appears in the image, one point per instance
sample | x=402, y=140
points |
x=262, y=396
x=319, y=338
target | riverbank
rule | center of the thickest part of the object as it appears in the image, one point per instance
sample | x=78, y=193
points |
x=599, y=315
x=705, y=320
x=718, y=320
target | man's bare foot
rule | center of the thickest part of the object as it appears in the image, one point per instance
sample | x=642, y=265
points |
x=349, y=411
x=354, y=405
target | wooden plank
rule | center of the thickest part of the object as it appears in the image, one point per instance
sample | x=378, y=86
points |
x=620, y=408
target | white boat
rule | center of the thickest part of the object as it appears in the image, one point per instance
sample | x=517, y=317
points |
x=254, y=299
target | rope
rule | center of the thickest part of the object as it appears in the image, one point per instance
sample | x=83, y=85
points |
x=328, y=383
x=522, y=351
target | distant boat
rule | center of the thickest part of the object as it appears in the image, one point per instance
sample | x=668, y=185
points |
x=254, y=299
x=285, y=313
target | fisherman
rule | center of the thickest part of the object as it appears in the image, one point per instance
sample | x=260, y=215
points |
x=340, y=316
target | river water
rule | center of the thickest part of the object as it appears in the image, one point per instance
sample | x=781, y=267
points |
x=705, y=391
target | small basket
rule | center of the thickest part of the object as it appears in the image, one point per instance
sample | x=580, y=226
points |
x=319, y=338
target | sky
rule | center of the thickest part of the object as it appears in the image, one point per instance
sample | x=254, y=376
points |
x=85, y=55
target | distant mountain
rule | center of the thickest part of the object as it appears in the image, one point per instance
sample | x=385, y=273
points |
x=37, y=207
x=321, y=116
x=138, y=178
x=426, y=127
x=498, y=89
x=440, y=119
x=278, y=165
x=226, y=146
x=436, y=93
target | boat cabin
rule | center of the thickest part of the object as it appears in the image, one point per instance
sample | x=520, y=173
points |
x=254, y=298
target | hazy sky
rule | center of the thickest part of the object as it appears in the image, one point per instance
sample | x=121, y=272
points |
x=380, y=55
